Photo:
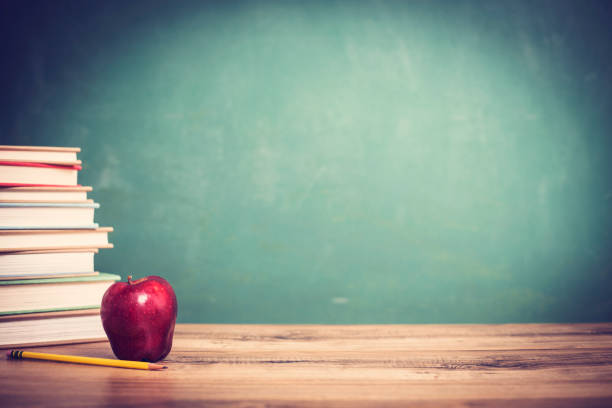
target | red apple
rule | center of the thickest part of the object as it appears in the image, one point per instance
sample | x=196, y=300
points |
x=138, y=318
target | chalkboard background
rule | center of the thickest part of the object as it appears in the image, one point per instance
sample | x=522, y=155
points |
x=334, y=162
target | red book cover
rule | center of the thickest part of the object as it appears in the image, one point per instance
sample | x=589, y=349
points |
x=53, y=166
x=36, y=185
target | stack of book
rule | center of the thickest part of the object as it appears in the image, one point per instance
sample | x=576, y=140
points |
x=50, y=292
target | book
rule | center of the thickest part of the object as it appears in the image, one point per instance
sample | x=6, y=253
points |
x=50, y=292
x=47, y=215
x=53, y=294
x=44, y=194
x=35, y=240
x=51, y=264
x=73, y=326
x=37, y=174
x=40, y=154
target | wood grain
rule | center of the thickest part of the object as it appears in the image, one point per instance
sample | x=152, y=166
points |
x=527, y=365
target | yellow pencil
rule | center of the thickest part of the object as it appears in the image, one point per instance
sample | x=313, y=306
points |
x=140, y=365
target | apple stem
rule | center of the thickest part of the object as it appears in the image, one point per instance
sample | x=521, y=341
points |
x=129, y=279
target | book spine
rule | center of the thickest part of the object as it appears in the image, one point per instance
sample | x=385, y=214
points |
x=36, y=185
x=31, y=164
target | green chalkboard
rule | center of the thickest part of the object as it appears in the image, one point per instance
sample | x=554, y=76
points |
x=335, y=162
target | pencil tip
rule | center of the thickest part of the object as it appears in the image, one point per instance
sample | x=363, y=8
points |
x=153, y=366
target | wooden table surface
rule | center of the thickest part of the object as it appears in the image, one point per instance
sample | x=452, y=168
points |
x=537, y=365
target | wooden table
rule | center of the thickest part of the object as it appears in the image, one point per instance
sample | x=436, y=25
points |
x=538, y=365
